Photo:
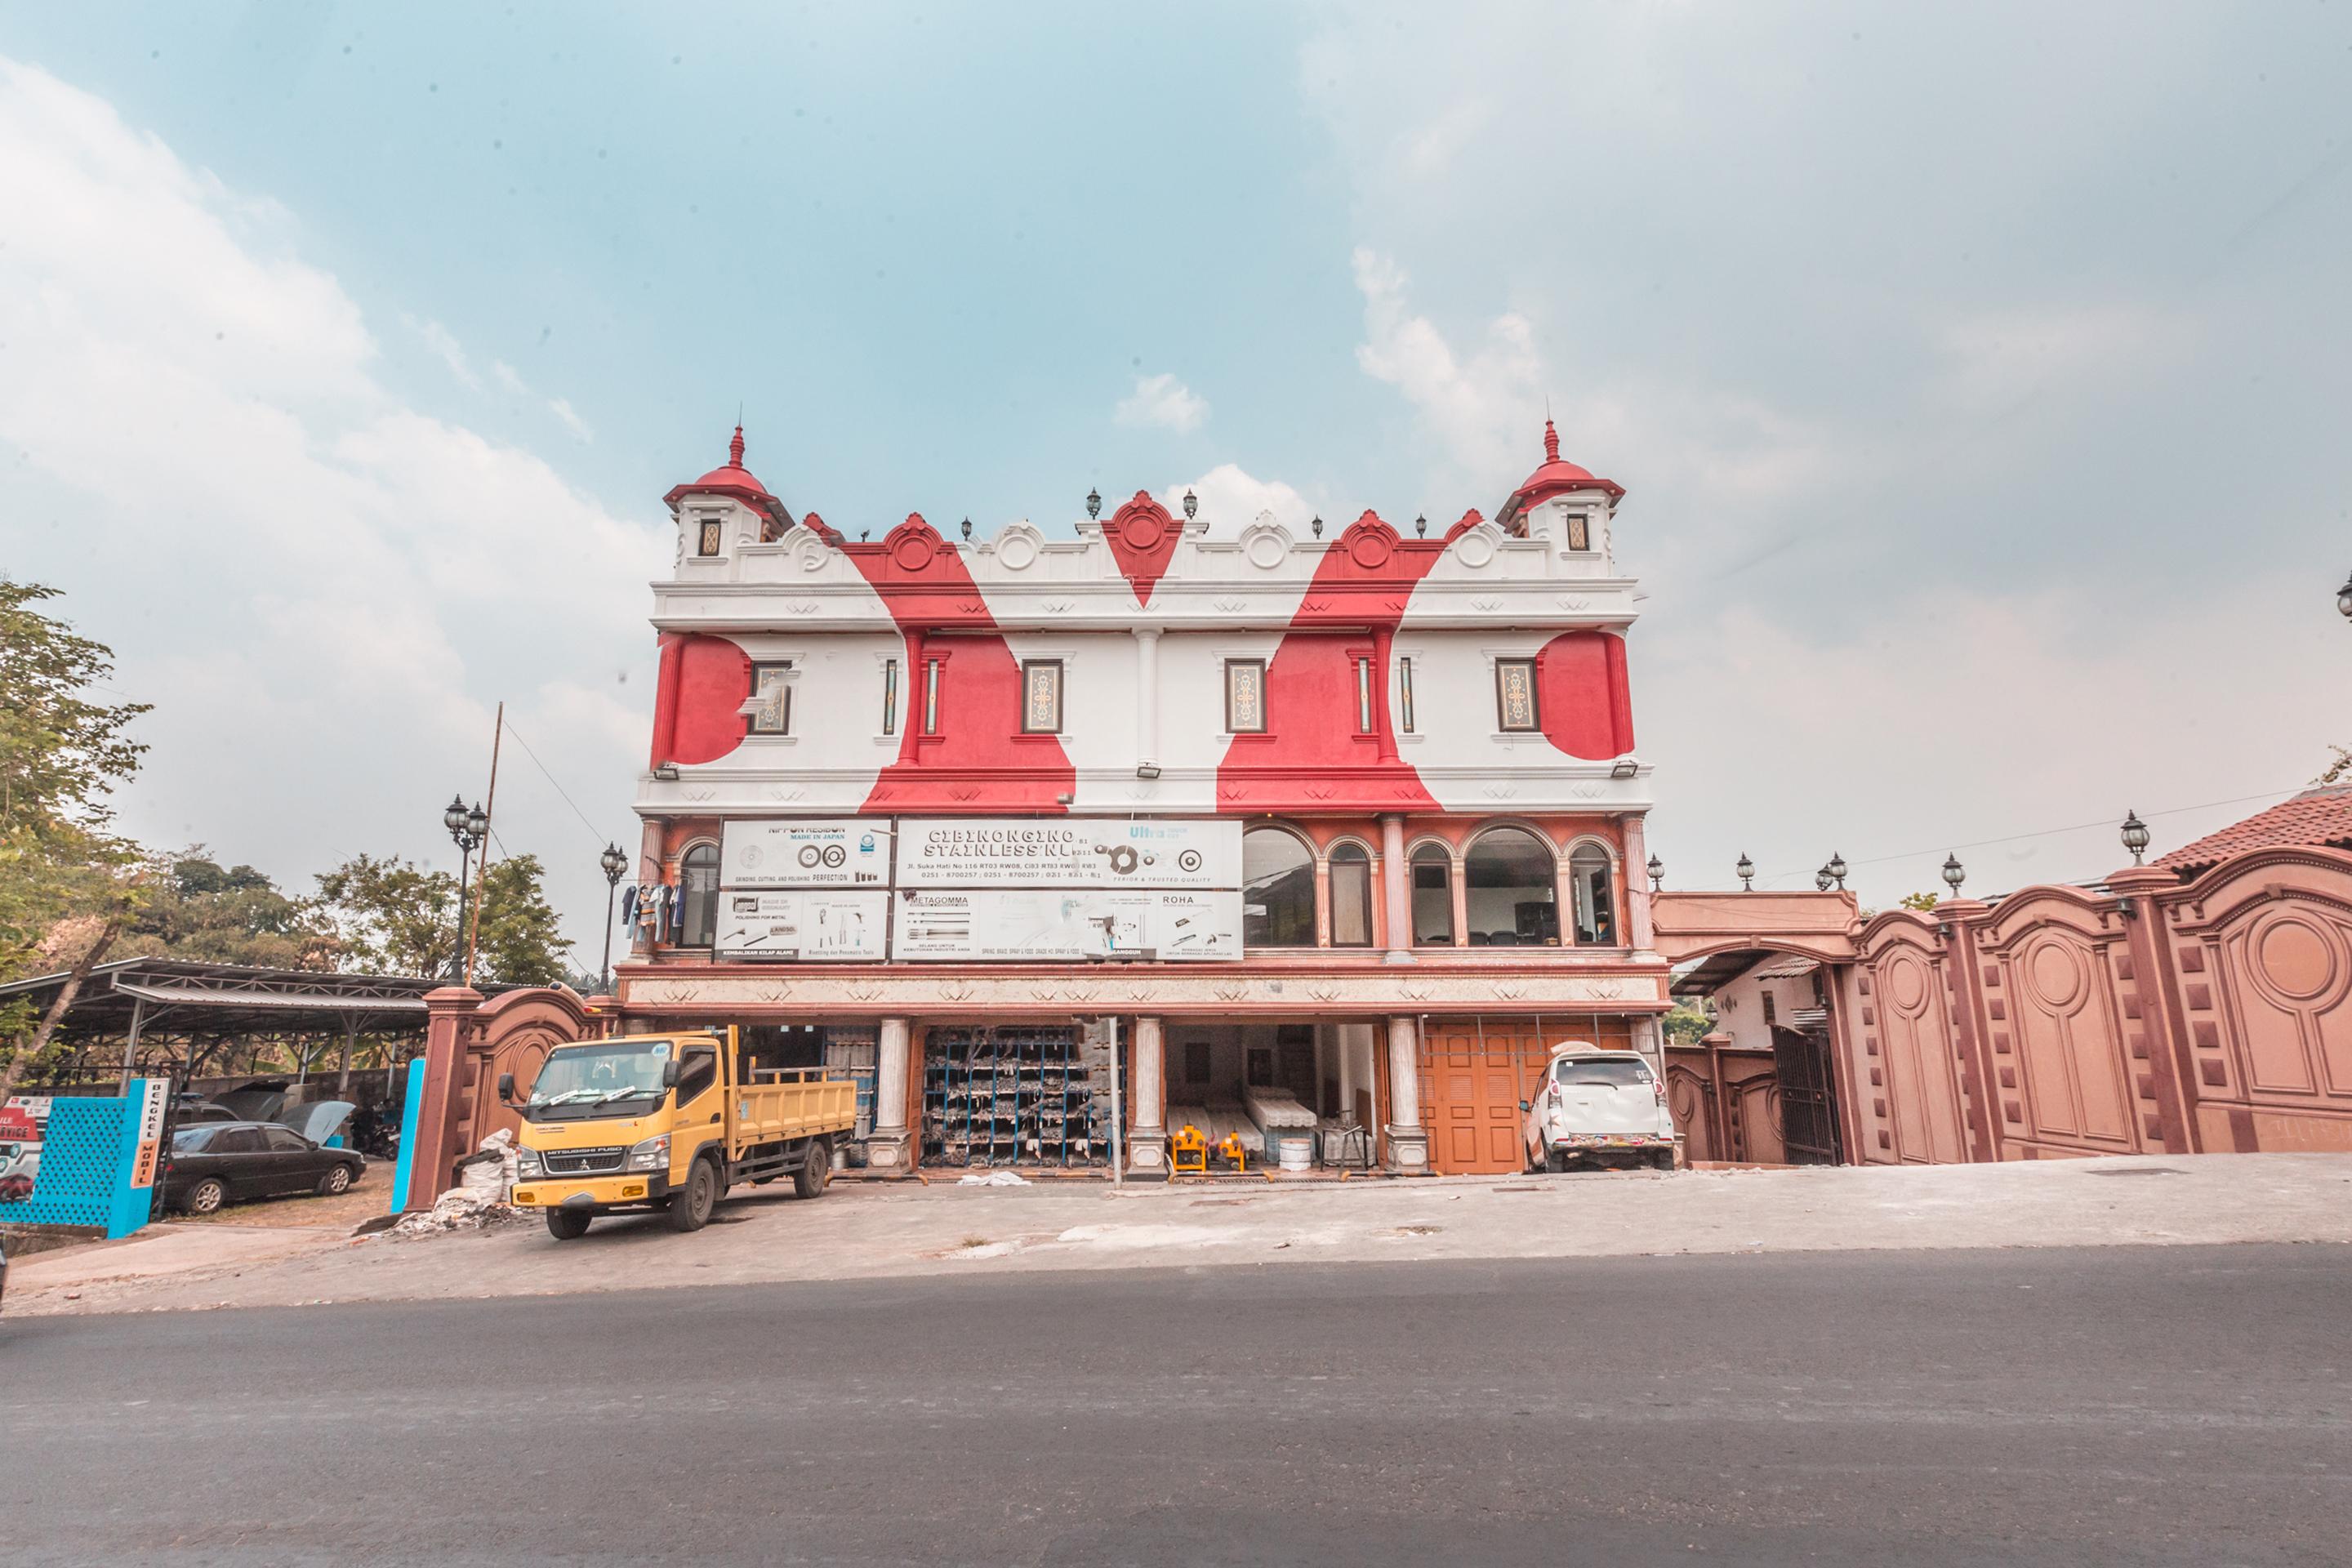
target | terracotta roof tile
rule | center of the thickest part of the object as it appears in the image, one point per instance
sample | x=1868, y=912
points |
x=2317, y=816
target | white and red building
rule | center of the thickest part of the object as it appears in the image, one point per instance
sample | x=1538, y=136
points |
x=1353, y=811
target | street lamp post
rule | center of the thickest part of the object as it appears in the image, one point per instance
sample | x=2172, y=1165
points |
x=468, y=829
x=1658, y=870
x=1954, y=874
x=2344, y=599
x=1747, y=870
x=613, y=863
x=2134, y=836
x=1837, y=870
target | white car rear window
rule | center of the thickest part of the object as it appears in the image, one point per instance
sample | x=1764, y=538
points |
x=1595, y=1072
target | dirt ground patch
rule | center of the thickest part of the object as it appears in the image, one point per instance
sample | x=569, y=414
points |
x=366, y=1199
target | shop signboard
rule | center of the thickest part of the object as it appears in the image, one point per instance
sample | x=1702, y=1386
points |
x=811, y=852
x=801, y=925
x=1069, y=852
x=1047, y=925
x=24, y=1126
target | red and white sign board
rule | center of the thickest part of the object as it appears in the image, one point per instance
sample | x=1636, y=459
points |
x=151, y=1100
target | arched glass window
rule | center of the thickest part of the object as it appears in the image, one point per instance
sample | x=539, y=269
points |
x=698, y=896
x=1351, y=896
x=1596, y=897
x=1514, y=899
x=1432, y=897
x=1277, y=890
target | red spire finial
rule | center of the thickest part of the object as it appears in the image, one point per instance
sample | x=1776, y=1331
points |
x=735, y=449
x=1551, y=443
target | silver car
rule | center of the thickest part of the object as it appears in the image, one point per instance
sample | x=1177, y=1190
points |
x=1598, y=1107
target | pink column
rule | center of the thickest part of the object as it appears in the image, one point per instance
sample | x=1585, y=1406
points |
x=1637, y=886
x=1395, y=881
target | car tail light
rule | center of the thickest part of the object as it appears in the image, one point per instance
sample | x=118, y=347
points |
x=1658, y=1089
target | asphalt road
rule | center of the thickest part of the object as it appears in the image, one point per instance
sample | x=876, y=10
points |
x=2101, y=1406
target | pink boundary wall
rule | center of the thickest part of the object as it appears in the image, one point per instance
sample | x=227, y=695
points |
x=2155, y=1016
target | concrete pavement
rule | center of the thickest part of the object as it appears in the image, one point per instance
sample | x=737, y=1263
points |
x=876, y=1230
x=2118, y=1405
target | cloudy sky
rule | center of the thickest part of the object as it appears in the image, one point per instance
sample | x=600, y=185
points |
x=1980, y=374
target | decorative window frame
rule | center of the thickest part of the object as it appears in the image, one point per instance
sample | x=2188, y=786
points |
x=1064, y=656
x=790, y=666
x=1534, y=726
x=1264, y=664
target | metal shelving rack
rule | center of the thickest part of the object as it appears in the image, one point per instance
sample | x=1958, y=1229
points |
x=1013, y=1095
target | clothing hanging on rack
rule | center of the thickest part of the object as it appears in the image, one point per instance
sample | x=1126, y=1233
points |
x=629, y=907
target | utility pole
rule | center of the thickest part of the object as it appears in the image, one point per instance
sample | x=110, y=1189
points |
x=482, y=872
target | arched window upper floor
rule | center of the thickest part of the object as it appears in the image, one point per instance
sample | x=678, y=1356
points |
x=1277, y=890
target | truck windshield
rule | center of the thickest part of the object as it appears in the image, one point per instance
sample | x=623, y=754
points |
x=577, y=1080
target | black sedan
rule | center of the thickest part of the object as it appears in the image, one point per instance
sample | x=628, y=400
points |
x=224, y=1161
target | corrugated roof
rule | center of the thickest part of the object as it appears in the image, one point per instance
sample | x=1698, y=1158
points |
x=1792, y=967
x=2316, y=817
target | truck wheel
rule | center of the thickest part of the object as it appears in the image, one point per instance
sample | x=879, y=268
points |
x=690, y=1206
x=1555, y=1161
x=206, y=1196
x=566, y=1224
x=1662, y=1159
x=816, y=1169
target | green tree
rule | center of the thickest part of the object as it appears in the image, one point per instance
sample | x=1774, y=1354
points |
x=1689, y=1023
x=397, y=917
x=198, y=909
x=67, y=885
x=1924, y=902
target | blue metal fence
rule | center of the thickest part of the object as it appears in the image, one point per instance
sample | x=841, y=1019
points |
x=88, y=1166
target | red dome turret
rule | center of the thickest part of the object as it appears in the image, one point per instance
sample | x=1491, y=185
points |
x=1557, y=477
x=733, y=479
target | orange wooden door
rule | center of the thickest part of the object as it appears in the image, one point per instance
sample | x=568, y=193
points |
x=1473, y=1073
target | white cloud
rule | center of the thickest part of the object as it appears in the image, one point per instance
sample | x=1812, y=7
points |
x=322, y=590
x=1478, y=406
x=1231, y=500
x=1947, y=717
x=1163, y=402
x=570, y=417
x=446, y=348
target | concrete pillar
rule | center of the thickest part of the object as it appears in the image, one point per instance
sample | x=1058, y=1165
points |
x=446, y=1099
x=1147, y=694
x=887, y=1146
x=1322, y=900
x=1147, y=1147
x=1988, y=1102
x=1408, y=1140
x=1563, y=892
x=1396, y=882
x=1642, y=935
x=1459, y=880
x=2163, y=1037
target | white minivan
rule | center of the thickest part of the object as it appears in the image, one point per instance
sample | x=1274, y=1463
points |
x=1598, y=1107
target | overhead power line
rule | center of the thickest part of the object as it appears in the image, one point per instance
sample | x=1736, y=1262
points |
x=599, y=837
x=2050, y=832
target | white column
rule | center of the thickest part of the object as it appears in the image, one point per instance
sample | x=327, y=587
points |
x=887, y=1147
x=1396, y=880
x=1408, y=1140
x=1147, y=694
x=1148, y=1139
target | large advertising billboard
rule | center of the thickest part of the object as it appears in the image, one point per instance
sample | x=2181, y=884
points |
x=1068, y=852
x=840, y=852
x=1056, y=924
x=802, y=925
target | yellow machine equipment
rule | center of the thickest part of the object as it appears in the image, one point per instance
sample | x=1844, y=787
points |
x=1188, y=1152
x=669, y=1122
x=1232, y=1149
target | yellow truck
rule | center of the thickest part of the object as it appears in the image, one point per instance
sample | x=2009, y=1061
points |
x=669, y=1122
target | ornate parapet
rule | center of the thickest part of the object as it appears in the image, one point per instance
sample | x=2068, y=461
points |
x=1028, y=992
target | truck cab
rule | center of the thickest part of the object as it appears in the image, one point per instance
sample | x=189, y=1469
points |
x=668, y=1122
